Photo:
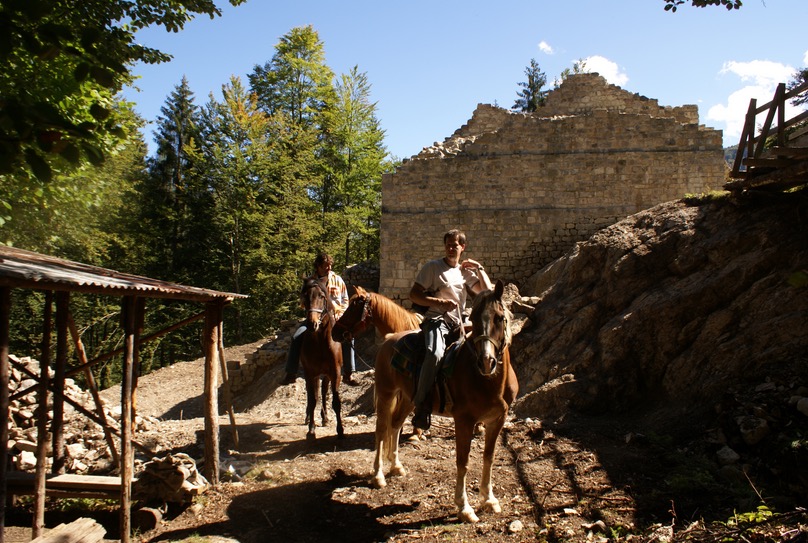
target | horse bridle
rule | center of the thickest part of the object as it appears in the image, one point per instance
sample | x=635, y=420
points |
x=499, y=349
x=322, y=312
x=367, y=316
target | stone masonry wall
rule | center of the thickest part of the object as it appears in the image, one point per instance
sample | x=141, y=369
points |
x=526, y=187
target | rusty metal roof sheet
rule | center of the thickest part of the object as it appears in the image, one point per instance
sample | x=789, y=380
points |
x=27, y=269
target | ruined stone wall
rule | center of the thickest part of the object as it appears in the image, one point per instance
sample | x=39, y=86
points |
x=526, y=187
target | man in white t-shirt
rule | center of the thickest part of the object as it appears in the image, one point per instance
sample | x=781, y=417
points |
x=441, y=286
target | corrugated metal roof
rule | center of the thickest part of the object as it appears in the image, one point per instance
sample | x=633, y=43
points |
x=27, y=269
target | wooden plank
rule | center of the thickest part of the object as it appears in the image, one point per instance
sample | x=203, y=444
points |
x=790, y=152
x=21, y=482
x=83, y=530
x=770, y=162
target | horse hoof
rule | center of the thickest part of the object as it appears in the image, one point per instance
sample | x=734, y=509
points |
x=397, y=471
x=310, y=435
x=492, y=506
x=378, y=482
x=340, y=432
x=468, y=515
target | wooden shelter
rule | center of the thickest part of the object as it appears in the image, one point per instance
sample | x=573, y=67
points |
x=58, y=278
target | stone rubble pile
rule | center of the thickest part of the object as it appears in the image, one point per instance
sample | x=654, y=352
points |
x=87, y=451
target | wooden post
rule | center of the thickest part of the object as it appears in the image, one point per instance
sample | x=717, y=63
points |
x=5, y=310
x=210, y=342
x=57, y=427
x=42, y=419
x=128, y=314
x=228, y=395
x=88, y=375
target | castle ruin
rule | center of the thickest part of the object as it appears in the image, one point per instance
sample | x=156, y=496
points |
x=526, y=187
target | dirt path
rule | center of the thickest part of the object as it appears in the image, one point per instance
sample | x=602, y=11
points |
x=565, y=480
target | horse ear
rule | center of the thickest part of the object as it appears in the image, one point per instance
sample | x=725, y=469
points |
x=499, y=288
x=359, y=290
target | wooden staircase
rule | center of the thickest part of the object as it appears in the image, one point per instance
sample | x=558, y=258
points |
x=777, y=158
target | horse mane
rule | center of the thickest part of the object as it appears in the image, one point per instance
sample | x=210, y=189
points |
x=391, y=312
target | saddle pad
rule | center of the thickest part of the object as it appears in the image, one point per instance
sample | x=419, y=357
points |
x=408, y=352
x=408, y=355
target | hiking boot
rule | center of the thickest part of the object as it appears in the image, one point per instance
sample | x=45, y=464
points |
x=349, y=380
x=289, y=379
x=422, y=419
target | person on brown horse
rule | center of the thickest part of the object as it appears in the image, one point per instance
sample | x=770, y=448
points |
x=338, y=294
x=441, y=287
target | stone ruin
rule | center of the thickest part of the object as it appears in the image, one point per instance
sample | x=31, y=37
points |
x=527, y=186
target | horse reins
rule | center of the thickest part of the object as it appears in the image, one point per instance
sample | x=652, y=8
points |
x=367, y=316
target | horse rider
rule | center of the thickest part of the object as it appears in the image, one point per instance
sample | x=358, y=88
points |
x=338, y=295
x=441, y=286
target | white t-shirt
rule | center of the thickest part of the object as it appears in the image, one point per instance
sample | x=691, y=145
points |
x=448, y=283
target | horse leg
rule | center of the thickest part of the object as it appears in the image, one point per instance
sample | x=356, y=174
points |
x=464, y=430
x=397, y=418
x=324, y=401
x=382, y=441
x=336, y=404
x=492, y=430
x=311, y=404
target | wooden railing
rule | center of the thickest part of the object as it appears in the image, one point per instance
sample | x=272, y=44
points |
x=750, y=159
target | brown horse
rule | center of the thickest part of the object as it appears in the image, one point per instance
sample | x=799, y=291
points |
x=481, y=387
x=367, y=309
x=320, y=355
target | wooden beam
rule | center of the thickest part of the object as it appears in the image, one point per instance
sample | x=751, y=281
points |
x=5, y=311
x=228, y=396
x=128, y=312
x=90, y=378
x=60, y=368
x=210, y=342
x=38, y=522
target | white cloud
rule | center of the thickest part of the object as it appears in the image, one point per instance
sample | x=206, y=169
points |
x=546, y=48
x=761, y=72
x=763, y=76
x=608, y=69
x=805, y=59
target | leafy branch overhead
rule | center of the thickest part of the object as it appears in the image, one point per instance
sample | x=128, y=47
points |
x=62, y=62
x=671, y=5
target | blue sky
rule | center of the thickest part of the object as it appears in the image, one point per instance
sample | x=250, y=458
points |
x=430, y=63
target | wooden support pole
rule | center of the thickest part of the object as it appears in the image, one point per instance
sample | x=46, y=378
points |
x=228, y=396
x=38, y=523
x=60, y=368
x=128, y=312
x=5, y=310
x=210, y=342
x=90, y=378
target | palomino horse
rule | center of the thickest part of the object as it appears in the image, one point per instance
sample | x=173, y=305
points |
x=481, y=387
x=320, y=355
x=366, y=309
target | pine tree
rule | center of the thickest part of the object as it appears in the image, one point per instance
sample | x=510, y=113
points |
x=170, y=199
x=531, y=97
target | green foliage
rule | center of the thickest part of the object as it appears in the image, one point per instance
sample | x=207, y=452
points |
x=61, y=64
x=671, y=5
x=531, y=97
x=760, y=515
x=240, y=196
x=578, y=67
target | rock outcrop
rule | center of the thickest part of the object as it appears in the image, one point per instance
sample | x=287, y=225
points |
x=671, y=307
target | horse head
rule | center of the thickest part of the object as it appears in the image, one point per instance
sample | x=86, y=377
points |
x=356, y=318
x=315, y=302
x=490, y=333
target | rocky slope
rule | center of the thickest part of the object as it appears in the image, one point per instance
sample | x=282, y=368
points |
x=671, y=307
